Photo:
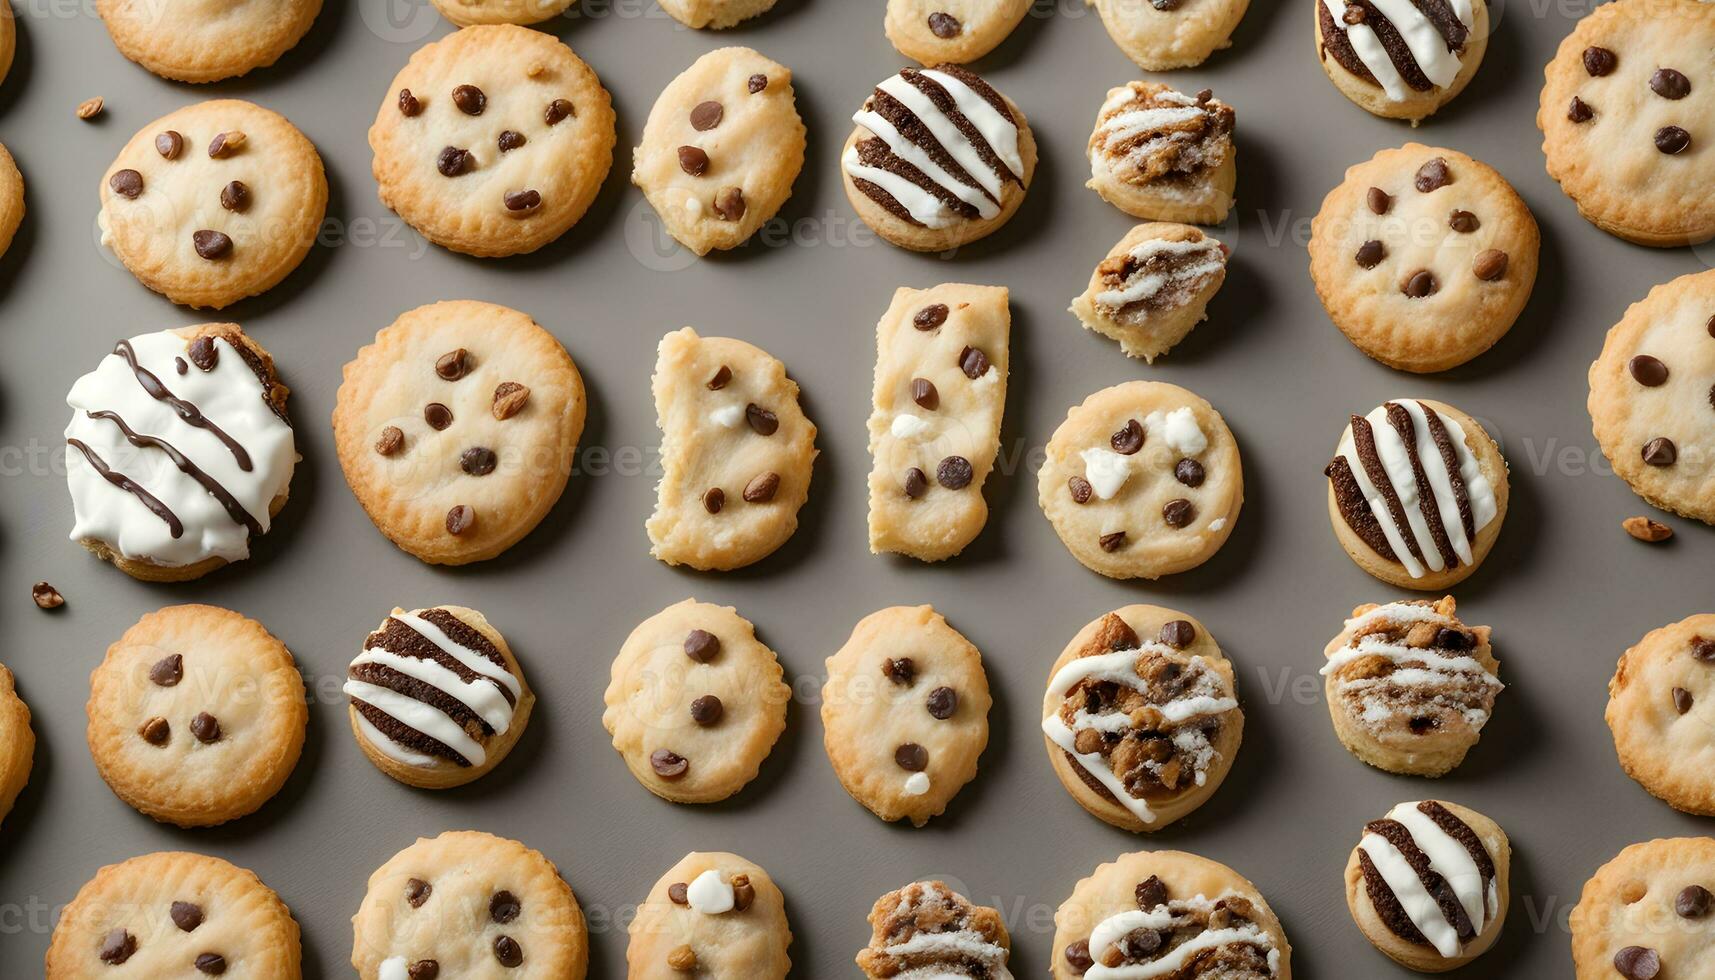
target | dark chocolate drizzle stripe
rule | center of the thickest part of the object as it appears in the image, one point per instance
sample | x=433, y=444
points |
x=1364, y=441
x=874, y=151
x=215, y=489
x=1356, y=510
x=1399, y=836
x=1439, y=13
x=464, y=635
x=401, y=640
x=125, y=483
x=191, y=415
x=1460, y=831
x=1450, y=459
x=1406, y=426
x=913, y=129
x=405, y=735
x=949, y=107
x=1386, y=903
x=382, y=675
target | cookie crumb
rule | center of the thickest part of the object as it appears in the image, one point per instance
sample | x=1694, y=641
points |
x=89, y=108
x=1645, y=529
x=682, y=959
x=46, y=596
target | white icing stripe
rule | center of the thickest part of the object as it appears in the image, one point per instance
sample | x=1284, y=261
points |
x=1095, y=765
x=1398, y=612
x=1428, y=48
x=1181, y=954
x=945, y=131
x=1144, y=284
x=913, y=154
x=429, y=720
x=925, y=208
x=481, y=696
x=1135, y=122
x=1399, y=653
x=464, y=655
x=1369, y=50
x=1435, y=470
x=997, y=129
x=393, y=750
x=963, y=943
x=1450, y=859
x=1420, y=907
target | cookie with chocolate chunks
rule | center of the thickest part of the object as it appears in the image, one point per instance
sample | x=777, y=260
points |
x=715, y=15
x=17, y=742
x=713, y=914
x=935, y=32
x=1401, y=60
x=1660, y=701
x=1152, y=288
x=1161, y=35
x=188, y=43
x=1161, y=155
x=928, y=929
x=1645, y=913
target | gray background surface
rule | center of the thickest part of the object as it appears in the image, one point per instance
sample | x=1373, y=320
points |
x=1565, y=590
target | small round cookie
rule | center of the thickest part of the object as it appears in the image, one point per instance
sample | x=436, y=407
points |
x=1401, y=60
x=493, y=140
x=696, y=702
x=721, y=149
x=905, y=713
x=1417, y=493
x=196, y=716
x=11, y=192
x=940, y=32
x=437, y=697
x=1660, y=703
x=715, y=14
x=939, y=159
x=1162, y=155
x=1192, y=906
x=1409, y=686
x=1428, y=884
x=214, y=202
x=469, y=904
x=457, y=427
x=1142, y=480
x=206, y=40
x=174, y=914
x=179, y=452
x=1153, y=287
x=1140, y=718
x=927, y=929
x=466, y=13
x=8, y=39
x=1423, y=257
x=17, y=742
x=1164, y=34
x=1625, y=120
x=712, y=914
x=1644, y=914
x=1652, y=396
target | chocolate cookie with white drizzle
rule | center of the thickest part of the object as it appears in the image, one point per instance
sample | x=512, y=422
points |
x=1401, y=59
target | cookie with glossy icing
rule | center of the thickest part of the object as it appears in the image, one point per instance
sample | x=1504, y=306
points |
x=935, y=32
x=11, y=192
x=204, y=41
x=1401, y=59
x=713, y=914
x=927, y=929
x=1161, y=35
x=1153, y=287
x=1660, y=701
x=17, y=742
x=1645, y=913
x=1161, y=155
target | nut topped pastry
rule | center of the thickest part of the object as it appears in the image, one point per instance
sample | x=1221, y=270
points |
x=1162, y=155
x=926, y=930
x=1153, y=287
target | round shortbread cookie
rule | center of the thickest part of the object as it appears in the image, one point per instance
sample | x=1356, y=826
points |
x=8, y=39
x=1401, y=60
x=711, y=915
x=1153, y=287
x=11, y=192
x=1164, y=34
x=17, y=742
x=715, y=14
x=206, y=40
x=1660, y=705
x=1645, y=913
x=928, y=930
x=937, y=32
x=1162, y=155
x=466, y=13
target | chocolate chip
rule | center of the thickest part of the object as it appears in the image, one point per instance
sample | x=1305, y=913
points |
x=1693, y=901
x=679, y=893
x=1112, y=541
x=504, y=907
x=508, y=952
x=478, y=461
x=1204, y=95
x=180, y=366
x=521, y=202
x=1080, y=489
x=1682, y=700
x=460, y=518
x=702, y=646
x=1637, y=962
x=437, y=415
x=470, y=100
x=761, y=488
x=916, y=483
x=668, y=764
x=729, y=203
x=1189, y=472
x=1647, y=371
x=117, y=947
x=707, y=710
x=706, y=116
x=1489, y=265
x=226, y=144
x=1078, y=956
x=186, y=915
x=973, y=362
x=1660, y=451
x=721, y=377
x=1711, y=326
x=155, y=731
x=211, y=963
x=211, y=244
x=954, y=473
x=743, y=893
x=1370, y=254
x=557, y=110
x=170, y=144
x=1151, y=893
x=1129, y=439
x=167, y=671
x=762, y=421
x=1463, y=222
x=203, y=353
x=1378, y=200
x=1579, y=111
x=46, y=596
x=1433, y=176
x=205, y=727
x=423, y=970
x=453, y=365
x=1178, y=634
x=930, y=317
x=714, y=498
x=901, y=670
x=126, y=183
x=509, y=399
x=944, y=25
x=1599, y=61
x=693, y=160
x=757, y=83
x=1703, y=649
x=408, y=104
x=943, y=701
x=1670, y=84
x=924, y=394
x=1422, y=283
x=510, y=139
x=1452, y=639
x=1672, y=139
x=452, y=161
x=1178, y=512
x=417, y=891
x=911, y=757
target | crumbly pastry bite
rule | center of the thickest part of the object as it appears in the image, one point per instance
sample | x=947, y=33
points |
x=713, y=914
x=1161, y=35
x=1645, y=914
x=1409, y=686
x=456, y=429
x=936, y=32
x=11, y=193
x=736, y=453
x=1161, y=155
x=1401, y=59
x=942, y=358
x=928, y=930
x=715, y=14
x=196, y=715
x=493, y=140
x=1428, y=884
x=214, y=202
x=1165, y=914
x=695, y=702
x=1142, y=480
x=1153, y=287
x=1423, y=257
x=939, y=159
x=178, y=452
x=1660, y=701
x=721, y=149
x=17, y=742
x=1651, y=401
x=174, y=914
x=1625, y=119
x=905, y=713
x=206, y=40
x=1417, y=493
x=469, y=904
x=466, y=13
x=436, y=698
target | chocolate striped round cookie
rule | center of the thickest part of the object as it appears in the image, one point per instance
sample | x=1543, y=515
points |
x=1401, y=59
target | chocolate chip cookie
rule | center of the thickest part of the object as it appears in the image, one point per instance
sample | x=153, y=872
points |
x=936, y=32
x=1644, y=915
x=199, y=42
x=1660, y=701
x=713, y=914
x=1161, y=35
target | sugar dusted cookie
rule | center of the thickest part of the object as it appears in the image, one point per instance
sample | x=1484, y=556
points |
x=942, y=356
x=715, y=14
x=1652, y=396
x=11, y=191
x=736, y=453
x=493, y=140
x=1142, y=480
x=178, y=452
x=928, y=930
x=465, y=13
x=1187, y=904
x=696, y=702
x=1161, y=155
x=1401, y=60
x=1417, y=493
x=1164, y=34
x=214, y=202
x=437, y=698
x=721, y=149
x=1625, y=120
x=1645, y=913
x=196, y=716
x=936, y=32
x=939, y=159
x=1428, y=884
x=17, y=742
x=1409, y=686
x=206, y=40
x=174, y=914
x=712, y=914
x=1659, y=705
x=456, y=429
x=1153, y=287
x=468, y=904
x=905, y=713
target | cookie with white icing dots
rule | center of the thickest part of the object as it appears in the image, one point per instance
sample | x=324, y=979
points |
x=1162, y=155
x=17, y=742
x=178, y=452
x=927, y=929
x=437, y=698
x=715, y=15
x=1660, y=703
x=1645, y=914
x=1401, y=59
x=939, y=159
x=1428, y=884
x=468, y=12
x=204, y=42
x=1153, y=287
x=1168, y=914
x=1161, y=35
x=1417, y=493
x=11, y=192
x=711, y=915
x=937, y=32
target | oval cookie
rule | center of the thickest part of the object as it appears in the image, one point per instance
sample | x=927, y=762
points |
x=1660, y=701
x=206, y=40
x=712, y=914
x=715, y=14
x=1645, y=913
x=17, y=742
x=1165, y=34
x=936, y=32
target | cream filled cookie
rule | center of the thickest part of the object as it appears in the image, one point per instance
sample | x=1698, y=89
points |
x=936, y=32
x=939, y=159
x=928, y=930
x=715, y=14
x=1161, y=35
x=1401, y=59
x=179, y=451
x=17, y=742
x=206, y=40
x=11, y=191
x=1659, y=702
x=1153, y=287
x=713, y=915
x=466, y=13
x=1161, y=155
x=1644, y=915
x=1417, y=493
